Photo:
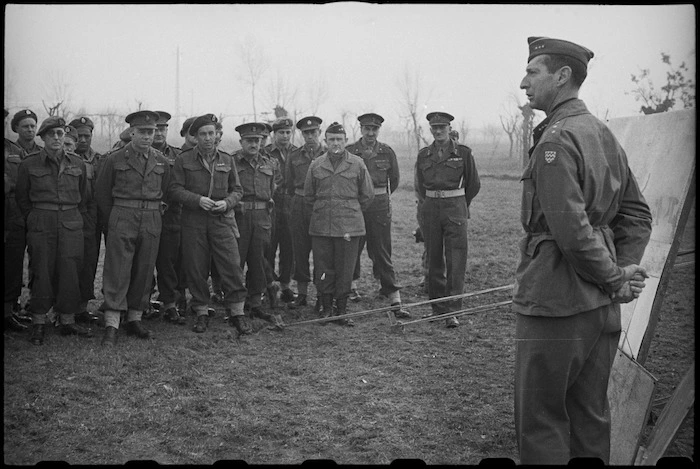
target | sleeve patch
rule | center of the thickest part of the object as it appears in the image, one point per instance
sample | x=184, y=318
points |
x=550, y=156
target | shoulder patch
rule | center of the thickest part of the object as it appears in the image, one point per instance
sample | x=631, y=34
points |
x=550, y=156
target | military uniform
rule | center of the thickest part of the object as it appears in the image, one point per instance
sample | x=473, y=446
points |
x=130, y=190
x=584, y=218
x=51, y=193
x=446, y=181
x=212, y=236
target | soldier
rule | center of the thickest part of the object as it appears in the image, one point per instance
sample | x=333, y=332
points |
x=190, y=140
x=382, y=165
x=339, y=187
x=205, y=182
x=130, y=190
x=281, y=235
x=124, y=138
x=171, y=287
x=217, y=296
x=70, y=142
x=14, y=239
x=92, y=230
x=259, y=176
x=24, y=124
x=51, y=193
x=446, y=181
x=295, y=176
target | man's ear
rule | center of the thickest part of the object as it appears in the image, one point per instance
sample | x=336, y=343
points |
x=563, y=75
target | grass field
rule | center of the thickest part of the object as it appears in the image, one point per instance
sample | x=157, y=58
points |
x=362, y=395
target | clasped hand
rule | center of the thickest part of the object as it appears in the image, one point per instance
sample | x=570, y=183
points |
x=633, y=283
x=212, y=206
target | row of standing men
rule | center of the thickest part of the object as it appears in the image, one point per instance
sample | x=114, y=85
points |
x=196, y=212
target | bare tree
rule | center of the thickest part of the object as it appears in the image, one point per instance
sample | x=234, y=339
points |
x=410, y=91
x=677, y=87
x=57, y=92
x=345, y=115
x=317, y=93
x=10, y=85
x=491, y=135
x=510, y=121
x=463, y=130
x=256, y=64
x=281, y=94
x=527, y=123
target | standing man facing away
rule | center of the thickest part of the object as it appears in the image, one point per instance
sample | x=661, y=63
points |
x=587, y=226
x=446, y=183
x=382, y=165
x=131, y=188
x=190, y=140
x=205, y=182
x=340, y=188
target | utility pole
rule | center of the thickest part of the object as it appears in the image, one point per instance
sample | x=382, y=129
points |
x=177, y=88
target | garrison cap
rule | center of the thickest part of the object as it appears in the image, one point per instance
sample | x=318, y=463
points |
x=52, y=122
x=309, y=123
x=19, y=115
x=547, y=45
x=186, y=125
x=282, y=123
x=125, y=136
x=439, y=118
x=144, y=119
x=335, y=128
x=252, y=129
x=201, y=121
x=163, y=118
x=72, y=132
x=371, y=119
x=82, y=122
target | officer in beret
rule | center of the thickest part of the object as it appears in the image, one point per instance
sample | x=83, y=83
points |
x=14, y=239
x=259, y=175
x=281, y=235
x=92, y=230
x=51, y=193
x=24, y=124
x=130, y=191
x=381, y=162
x=169, y=278
x=190, y=140
x=446, y=182
x=295, y=175
x=586, y=228
x=339, y=187
x=205, y=182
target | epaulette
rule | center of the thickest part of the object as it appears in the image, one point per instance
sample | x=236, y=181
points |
x=463, y=146
x=423, y=151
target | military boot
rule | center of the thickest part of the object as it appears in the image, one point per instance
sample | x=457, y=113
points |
x=341, y=305
x=326, y=307
x=137, y=329
x=37, y=337
x=298, y=302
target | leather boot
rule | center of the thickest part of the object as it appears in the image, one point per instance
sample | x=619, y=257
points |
x=298, y=302
x=341, y=305
x=37, y=337
x=109, y=339
x=326, y=306
x=137, y=329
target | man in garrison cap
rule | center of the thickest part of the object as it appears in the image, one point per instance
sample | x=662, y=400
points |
x=339, y=188
x=190, y=140
x=586, y=228
x=51, y=193
x=206, y=183
x=130, y=191
x=281, y=235
x=383, y=166
x=446, y=181
x=24, y=123
x=259, y=175
x=300, y=212
x=92, y=230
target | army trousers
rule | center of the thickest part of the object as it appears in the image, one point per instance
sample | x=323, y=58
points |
x=168, y=265
x=55, y=244
x=281, y=238
x=562, y=367
x=91, y=243
x=130, y=257
x=300, y=219
x=15, y=242
x=445, y=234
x=211, y=240
x=334, y=262
x=254, y=226
x=378, y=240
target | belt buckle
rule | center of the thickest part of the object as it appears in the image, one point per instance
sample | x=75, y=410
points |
x=143, y=204
x=438, y=194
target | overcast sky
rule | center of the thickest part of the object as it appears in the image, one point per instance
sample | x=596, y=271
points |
x=470, y=58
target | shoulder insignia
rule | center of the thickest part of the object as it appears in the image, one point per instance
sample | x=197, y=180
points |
x=550, y=155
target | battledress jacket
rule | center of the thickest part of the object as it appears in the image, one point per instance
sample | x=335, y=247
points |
x=584, y=217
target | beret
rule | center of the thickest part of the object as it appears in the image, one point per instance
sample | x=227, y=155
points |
x=72, y=132
x=19, y=115
x=439, y=118
x=308, y=123
x=201, y=121
x=547, y=45
x=371, y=119
x=186, y=125
x=282, y=123
x=51, y=123
x=454, y=134
x=252, y=129
x=268, y=129
x=163, y=117
x=82, y=122
x=125, y=136
x=335, y=128
x=145, y=119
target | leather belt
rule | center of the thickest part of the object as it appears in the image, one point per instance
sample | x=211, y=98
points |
x=134, y=203
x=380, y=190
x=257, y=205
x=53, y=206
x=444, y=194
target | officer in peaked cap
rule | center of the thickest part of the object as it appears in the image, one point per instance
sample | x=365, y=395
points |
x=51, y=187
x=24, y=123
x=281, y=236
x=578, y=218
x=295, y=175
x=383, y=167
x=131, y=188
x=446, y=181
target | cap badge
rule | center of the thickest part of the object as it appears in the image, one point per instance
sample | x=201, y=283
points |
x=308, y=122
x=27, y=112
x=82, y=119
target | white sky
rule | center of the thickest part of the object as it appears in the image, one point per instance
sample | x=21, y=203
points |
x=471, y=57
